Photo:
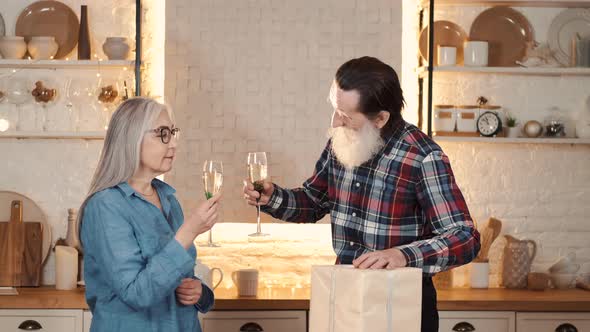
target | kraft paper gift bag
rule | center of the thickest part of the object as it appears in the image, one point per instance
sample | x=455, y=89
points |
x=344, y=298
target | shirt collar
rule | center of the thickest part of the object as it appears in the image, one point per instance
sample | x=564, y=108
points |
x=162, y=187
x=396, y=134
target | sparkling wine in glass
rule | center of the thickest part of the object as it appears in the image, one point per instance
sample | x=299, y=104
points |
x=212, y=181
x=257, y=173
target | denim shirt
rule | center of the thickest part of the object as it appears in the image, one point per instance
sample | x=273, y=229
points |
x=133, y=264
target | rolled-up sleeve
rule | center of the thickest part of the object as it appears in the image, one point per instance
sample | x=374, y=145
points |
x=139, y=283
x=455, y=241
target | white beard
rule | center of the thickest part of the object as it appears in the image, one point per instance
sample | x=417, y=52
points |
x=353, y=148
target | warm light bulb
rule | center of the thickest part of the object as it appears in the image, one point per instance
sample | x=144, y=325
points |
x=4, y=125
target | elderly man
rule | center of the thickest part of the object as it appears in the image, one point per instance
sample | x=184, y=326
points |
x=388, y=187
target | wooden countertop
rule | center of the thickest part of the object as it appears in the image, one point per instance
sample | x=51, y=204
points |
x=463, y=299
x=501, y=299
x=44, y=297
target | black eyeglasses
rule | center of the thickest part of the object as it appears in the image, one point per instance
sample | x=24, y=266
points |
x=165, y=133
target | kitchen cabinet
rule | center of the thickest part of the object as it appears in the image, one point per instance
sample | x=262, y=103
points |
x=57, y=320
x=480, y=321
x=553, y=322
x=255, y=321
x=87, y=320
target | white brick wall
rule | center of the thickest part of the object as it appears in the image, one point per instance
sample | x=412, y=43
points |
x=538, y=191
x=254, y=76
x=267, y=71
x=53, y=173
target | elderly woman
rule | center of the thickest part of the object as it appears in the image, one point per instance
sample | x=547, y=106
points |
x=138, y=247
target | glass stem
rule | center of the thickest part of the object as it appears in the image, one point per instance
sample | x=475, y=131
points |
x=211, y=236
x=258, y=230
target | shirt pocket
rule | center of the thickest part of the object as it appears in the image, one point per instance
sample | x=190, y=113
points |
x=392, y=195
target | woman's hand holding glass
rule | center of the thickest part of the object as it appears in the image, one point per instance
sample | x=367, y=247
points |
x=202, y=219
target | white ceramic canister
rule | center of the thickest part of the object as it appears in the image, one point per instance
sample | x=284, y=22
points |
x=445, y=118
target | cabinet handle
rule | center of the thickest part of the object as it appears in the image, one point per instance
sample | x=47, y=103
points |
x=251, y=327
x=464, y=327
x=30, y=325
x=566, y=327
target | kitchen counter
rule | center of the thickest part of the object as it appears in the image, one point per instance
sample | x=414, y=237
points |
x=461, y=299
x=45, y=297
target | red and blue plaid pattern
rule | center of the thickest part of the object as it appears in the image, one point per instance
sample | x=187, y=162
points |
x=405, y=197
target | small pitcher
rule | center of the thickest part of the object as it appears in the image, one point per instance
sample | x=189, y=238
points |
x=518, y=257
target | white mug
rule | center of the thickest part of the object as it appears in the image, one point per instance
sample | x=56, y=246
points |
x=247, y=281
x=205, y=273
x=447, y=55
x=475, y=54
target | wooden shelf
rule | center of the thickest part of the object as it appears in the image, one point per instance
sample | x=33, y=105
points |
x=65, y=64
x=538, y=71
x=519, y=140
x=539, y=3
x=91, y=135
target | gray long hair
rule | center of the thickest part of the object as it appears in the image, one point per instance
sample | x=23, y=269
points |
x=120, y=156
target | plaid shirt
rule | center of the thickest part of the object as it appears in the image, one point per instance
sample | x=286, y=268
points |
x=404, y=197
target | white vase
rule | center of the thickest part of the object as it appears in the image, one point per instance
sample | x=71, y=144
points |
x=116, y=48
x=13, y=47
x=42, y=48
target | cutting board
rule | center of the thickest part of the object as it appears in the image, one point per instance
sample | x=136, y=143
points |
x=21, y=245
x=31, y=212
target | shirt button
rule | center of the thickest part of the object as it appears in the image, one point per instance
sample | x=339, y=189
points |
x=351, y=243
x=354, y=214
x=358, y=184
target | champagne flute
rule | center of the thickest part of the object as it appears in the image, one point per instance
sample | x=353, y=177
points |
x=212, y=181
x=257, y=173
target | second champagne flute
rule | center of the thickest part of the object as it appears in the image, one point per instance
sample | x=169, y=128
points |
x=212, y=181
x=257, y=173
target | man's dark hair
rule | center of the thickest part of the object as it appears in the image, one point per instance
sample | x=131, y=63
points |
x=378, y=86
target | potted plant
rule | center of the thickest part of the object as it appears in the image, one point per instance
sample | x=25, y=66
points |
x=511, y=126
